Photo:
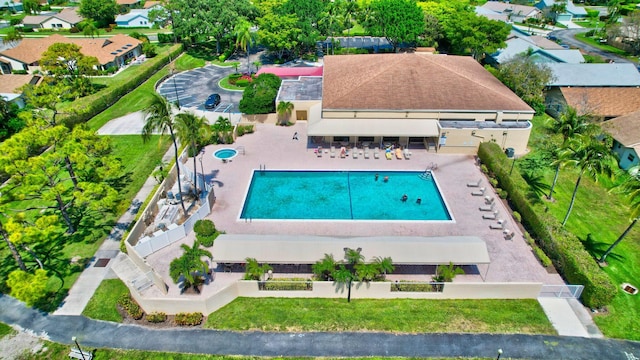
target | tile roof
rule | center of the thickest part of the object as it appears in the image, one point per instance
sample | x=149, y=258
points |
x=615, y=74
x=30, y=50
x=150, y=4
x=132, y=15
x=413, y=81
x=603, y=101
x=69, y=15
x=500, y=7
x=127, y=2
x=35, y=19
x=9, y=84
x=545, y=43
x=625, y=129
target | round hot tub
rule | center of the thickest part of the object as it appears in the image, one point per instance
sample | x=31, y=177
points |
x=225, y=154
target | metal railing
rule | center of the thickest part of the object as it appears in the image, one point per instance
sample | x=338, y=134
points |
x=561, y=291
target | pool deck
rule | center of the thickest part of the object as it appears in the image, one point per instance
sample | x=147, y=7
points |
x=272, y=147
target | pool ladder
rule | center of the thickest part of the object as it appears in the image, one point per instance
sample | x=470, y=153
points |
x=240, y=150
x=263, y=168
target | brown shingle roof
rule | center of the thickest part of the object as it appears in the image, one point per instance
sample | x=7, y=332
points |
x=413, y=81
x=69, y=15
x=607, y=102
x=150, y=4
x=625, y=129
x=30, y=50
x=127, y=2
x=9, y=84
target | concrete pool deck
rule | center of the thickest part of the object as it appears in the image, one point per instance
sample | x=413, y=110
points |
x=273, y=148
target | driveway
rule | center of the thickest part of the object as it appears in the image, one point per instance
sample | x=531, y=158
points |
x=191, y=89
x=568, y=37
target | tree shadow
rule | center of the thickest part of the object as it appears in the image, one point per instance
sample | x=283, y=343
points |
x=597, y=248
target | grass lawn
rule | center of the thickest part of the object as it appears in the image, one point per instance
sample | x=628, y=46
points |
x=603, y=46
x=598, y=218
x=224, y=83
x=188, y=62
x=6, y=330
x=102, y=305
x=398, y=315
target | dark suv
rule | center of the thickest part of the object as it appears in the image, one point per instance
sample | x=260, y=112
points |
x=212, y=101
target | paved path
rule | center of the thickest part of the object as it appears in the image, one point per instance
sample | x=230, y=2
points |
x=102, y=334
x=568, y=37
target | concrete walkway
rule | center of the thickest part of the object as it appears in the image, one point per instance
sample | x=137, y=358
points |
x=87, y=283
x=569, y=317
x=101, y=334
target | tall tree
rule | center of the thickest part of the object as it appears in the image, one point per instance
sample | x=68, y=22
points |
x=9, y=121
x=279, y=33
x=399, y=21
x=308, y=13
x=192, y=130
x=526, y=78
x=347, y=273
x=591, y=157
x=31, y=6
x=569, y=124
x=190, y=266
x=159, y=118
x=102, y=11
x=284, y=110
x=244, y=38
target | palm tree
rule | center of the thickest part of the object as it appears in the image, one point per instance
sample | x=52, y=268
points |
x=190, y=266
x=323, y=269
x=632, y=188
x=192, y=130
x=255, y=271
x=222, y=128
x=284, y=110
x=244, y=38
x=347, y=273
x=349, y=9
x=159, y=118
x=569, y=124
x=385, y=265
x=592, y=157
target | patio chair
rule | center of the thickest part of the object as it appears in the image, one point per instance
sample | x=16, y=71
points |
x=376, y=153
x=475, y=184
x=508, y=234
x=488, y=199
x=366, y=153
x=407, y=153
x=479, y=192
x=492, y=216
x=332, y=152
x=354, y=153
x=497, y=226
x=488, y=207
x=399, y=154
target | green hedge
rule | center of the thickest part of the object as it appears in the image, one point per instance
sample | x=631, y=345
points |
x=87, y=107
x=565, y=250
x=416, y=287
x=188, y=319
x=294, y=284
x=130, y=306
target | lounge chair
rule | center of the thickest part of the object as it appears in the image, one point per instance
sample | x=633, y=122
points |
x=487, y=207
x=354, y=153
x=492, y=216
x=475, y=184
x=399, y=154
x=497, y=226
x=376, y=153
x=488, y=199
x=366, y=153
x=388, y=155
x=319, y=151
x=406, y=153
x=508, y=234
x=332, y=152
x=479, y=192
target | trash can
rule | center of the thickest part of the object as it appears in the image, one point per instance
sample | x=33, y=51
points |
x=510, y=152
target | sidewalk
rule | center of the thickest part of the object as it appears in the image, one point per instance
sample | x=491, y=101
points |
x=569, y=317
x=87, y=283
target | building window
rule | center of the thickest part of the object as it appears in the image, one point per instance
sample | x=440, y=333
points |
x=301, y=114
x=631, y=157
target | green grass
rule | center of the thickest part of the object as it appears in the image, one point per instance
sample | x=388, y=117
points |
x=612, y=49
x=602, y=215
x=6, y=330
x=130, y=71
x=188, y=62
x=399, y=315
x=224, y=83
x=102, y=305
x=356, y=30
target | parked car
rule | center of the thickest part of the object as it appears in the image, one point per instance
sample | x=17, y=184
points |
x=212, y=101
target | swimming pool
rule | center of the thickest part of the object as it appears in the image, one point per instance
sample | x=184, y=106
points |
x=343, y=195
x=225, y=154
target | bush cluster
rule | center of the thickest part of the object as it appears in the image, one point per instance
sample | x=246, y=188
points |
x=130, y=306
x=293, y=284
x=416, y=287
x=189, y=319
x=87, y=107
x=563, y=248
x=260, y=95
x=206, y=232
x=244, y=129
x=156, y=317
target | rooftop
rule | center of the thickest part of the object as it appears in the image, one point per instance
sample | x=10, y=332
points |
x=608, y=102
x=625, y=129
x=304, y=88
x=413, y=81
x=9, y=84
x=613, y=74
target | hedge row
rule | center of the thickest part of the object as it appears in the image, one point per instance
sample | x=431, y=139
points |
x=295, y=284
x=189, y=319
x=566, y=251
x=130, y=306
x=416, y=287
x=83, y=109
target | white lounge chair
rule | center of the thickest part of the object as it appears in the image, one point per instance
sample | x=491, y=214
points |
x=376, y=153
x=497, y=226
x=488, y=199
x=479, y=192
x=475, y=184
x=407, y=153
x=492, y=216
x=508, y=234
x=354, y=153
x=366, y=153
x=332, y=152
x=488, y=207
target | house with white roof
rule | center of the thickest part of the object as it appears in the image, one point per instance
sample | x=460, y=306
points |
x=135, y=18
x=540, y=49
x=504, y=11
x=65, y=19
x=572, y=11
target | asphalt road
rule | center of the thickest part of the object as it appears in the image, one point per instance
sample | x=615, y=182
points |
x=568, y=37
x=191, y=88
x=102, y=334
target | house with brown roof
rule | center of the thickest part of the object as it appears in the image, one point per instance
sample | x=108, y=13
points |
x=113, y=51
x=65, y=19
x=625, y=131
x=10, y=87
x=443, y=103
x=128, y=3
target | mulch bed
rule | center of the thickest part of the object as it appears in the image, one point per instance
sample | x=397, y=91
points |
x=167, y=324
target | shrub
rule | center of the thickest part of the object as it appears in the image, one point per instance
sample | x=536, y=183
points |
x=544, y=259
x=563, y=248
x=222, y=58
x=15, y=21
x=156, y=317
x=165, y=38
x=293, y=284
x=517, y=217
x=188, y=319
x=19, y=72
x=259, y=97
x=204, y=227
x=242, y=82
x=149, y=49
x=74, y=30
x=502, y=193
x=244, y=129
x=131, y=307
x=234, y=77
x=416, y=287
x=493, y=182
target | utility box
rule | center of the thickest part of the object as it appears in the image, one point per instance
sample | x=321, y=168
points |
x=510, y=152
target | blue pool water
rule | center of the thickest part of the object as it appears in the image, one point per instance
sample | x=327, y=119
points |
x=225, y=154
x=343, y=195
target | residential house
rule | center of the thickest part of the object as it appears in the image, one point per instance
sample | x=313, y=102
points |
x=602, y=90
x=153, y=5
x=135, y=18
x=130, y=4
x=625, y=131
x=11, y=6
x=65, y=19
x=113, y=51
x=442, y=103
x=507, y=12
x=571, y=12
x=540, y=49
x=10, y=87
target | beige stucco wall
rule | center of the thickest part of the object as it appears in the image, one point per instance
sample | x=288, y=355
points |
x=260, y=118
x=432, y=115
x=466, y=141
x=374, y=290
